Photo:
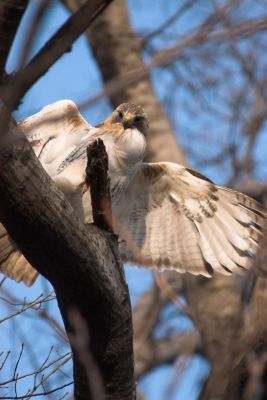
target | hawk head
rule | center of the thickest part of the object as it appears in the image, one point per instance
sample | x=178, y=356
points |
x=131, y=116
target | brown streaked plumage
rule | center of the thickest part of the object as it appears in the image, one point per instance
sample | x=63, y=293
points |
x=167, y=216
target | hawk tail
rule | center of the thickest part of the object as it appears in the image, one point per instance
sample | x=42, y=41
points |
x=12, y=263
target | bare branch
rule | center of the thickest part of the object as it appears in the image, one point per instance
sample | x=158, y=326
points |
x=45, y=393
x=168, y=55
x=165, y=351
x=60, y=42
x=97, y=179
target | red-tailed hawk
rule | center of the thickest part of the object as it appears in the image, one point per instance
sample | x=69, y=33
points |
x=166, y=215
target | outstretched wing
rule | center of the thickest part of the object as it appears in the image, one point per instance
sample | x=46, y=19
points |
x=54, y=133
x=173, y=217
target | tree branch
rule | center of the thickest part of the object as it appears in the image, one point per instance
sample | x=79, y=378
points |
x=97, y=179
x=60, y=42
x=164, y=351
x=80, y=262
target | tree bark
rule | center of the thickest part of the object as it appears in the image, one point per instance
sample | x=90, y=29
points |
x=98, y=180
x=81, y=263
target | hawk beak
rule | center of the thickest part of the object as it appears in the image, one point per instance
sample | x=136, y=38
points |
x=128, y=120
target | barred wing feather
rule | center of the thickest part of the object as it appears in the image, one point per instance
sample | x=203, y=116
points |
x=173, y=217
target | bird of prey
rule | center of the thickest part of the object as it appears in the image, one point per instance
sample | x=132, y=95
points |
x=167, y=216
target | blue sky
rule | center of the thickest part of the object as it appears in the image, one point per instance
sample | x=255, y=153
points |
x=75, y=76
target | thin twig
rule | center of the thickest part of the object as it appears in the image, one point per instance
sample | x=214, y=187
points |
x=36, y=394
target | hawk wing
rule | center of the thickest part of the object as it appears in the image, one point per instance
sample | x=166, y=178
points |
x=173, y=217
x=12, y=262
x=53, y=132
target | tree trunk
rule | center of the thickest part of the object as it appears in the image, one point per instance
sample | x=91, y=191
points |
x=81, y=263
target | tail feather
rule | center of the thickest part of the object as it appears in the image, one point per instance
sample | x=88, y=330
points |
x=12, y=263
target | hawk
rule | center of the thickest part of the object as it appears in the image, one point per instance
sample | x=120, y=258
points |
x=167, y=216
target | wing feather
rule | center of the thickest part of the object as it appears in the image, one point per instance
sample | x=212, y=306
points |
x=12, y=263
x=172, y=217
x=54, y=132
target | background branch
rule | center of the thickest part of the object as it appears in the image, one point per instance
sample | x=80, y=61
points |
x=60, y=42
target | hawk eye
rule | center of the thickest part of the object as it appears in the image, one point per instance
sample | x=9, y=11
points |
x=138, y=118
x=120, y=114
